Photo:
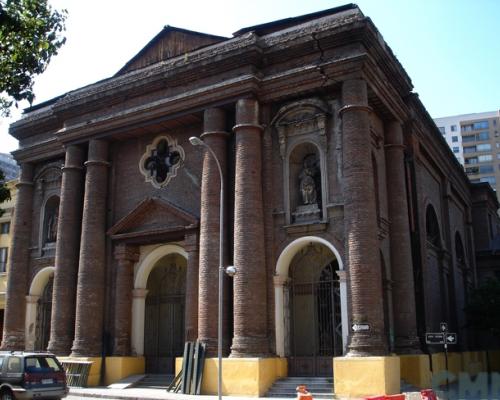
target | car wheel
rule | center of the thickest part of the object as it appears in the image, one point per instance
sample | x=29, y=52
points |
x=7, y=395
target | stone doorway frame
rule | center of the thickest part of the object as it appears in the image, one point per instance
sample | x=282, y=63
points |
x=143, y=269
x=37, y=286
x=281, y=277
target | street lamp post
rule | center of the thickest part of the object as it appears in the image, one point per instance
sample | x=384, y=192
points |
x=196, y=141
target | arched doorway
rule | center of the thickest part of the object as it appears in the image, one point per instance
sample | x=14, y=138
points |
x=43, y=313
x=38, y=310
x=313, y=261
x=315, y=314
x=164, y=314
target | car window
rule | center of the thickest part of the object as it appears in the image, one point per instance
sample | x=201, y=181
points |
x=1, y=362
x=52, y=363
x=41, y=364
x=14, y=365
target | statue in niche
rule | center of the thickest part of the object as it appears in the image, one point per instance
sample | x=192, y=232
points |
x=161, y=161
x=52, y=226
x=308, y=180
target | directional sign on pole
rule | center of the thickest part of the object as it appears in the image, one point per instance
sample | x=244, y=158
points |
x=451, y=338
x=443, y=326
x=434, y=338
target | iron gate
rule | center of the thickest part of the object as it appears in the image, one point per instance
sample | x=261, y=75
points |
x=164, y=318
x=316, y=321
x=43, y=313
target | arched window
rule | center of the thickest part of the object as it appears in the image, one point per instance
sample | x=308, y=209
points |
x=459, y=251
x=50, y=220
x=432, y=227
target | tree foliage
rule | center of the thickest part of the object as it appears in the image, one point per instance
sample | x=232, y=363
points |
x=4, y=191
x=30, y=34
x=483, y=309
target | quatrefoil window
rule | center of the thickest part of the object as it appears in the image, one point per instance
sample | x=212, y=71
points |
x=160, y=162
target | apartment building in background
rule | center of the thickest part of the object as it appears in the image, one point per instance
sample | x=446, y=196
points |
x=475, y=141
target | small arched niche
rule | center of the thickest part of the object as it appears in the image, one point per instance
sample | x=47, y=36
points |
x=50, y=221
x=302, y=132
x=305, y=183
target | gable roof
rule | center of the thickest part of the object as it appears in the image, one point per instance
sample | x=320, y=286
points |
x=169, y=42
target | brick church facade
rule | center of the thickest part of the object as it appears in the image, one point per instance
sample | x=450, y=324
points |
x=348, y=218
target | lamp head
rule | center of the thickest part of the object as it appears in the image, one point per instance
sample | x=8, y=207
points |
x=195, y=141
x=231, y=270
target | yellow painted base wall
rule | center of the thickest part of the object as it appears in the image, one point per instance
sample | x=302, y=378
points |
x=118, y=368
x=494, y=356
x=240, y=376
x=416, y=370
x=95, y=369
x=366, y=376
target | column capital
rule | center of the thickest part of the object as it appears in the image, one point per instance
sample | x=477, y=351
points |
x=281, y=280
x=139, y=293
x=30, y=299
x=355, y=107
x=342, y=274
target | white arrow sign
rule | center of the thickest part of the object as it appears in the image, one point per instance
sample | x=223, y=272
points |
x=360, y=327
x=451, y=338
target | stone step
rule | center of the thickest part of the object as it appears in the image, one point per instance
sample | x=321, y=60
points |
x=319, y=387
x=291, y=395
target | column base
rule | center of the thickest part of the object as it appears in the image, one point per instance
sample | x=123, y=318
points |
x=249, y=347
x=366, y=376
x=14, y=342
x=118, y=368
x=95, y=370
x=241, y=376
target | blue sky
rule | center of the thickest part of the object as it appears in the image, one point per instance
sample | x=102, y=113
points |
x=450, y=49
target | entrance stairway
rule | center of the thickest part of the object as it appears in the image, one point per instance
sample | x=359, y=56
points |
x=319, y=387
x=155, y=381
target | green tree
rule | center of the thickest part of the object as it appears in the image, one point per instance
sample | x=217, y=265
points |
x=483, y=309
x=4, y=191
x=30, y=34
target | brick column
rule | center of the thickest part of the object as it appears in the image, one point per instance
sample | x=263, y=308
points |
x=67, y=253
x=250, y=286
x=91, y=271
x=191, y=316
x=125, y=257
x=405, y=320
x=215, y=136
x=19, y=257
x=360, y=223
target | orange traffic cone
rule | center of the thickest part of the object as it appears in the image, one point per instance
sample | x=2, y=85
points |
x=302, y=393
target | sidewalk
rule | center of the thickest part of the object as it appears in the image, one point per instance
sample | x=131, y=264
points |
x=142, y=393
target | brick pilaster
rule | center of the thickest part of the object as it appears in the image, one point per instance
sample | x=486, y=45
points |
x=405, y=320
x=215, y=136
x=67, y=253
x=191, y=316
x=250, y=284
x=17, y=278
x=91, y=270
x=125, y=257
x=360, y=223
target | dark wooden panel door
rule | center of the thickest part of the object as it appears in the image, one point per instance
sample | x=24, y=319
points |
x=164, y=318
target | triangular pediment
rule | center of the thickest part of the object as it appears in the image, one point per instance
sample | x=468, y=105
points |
x=153, y=216
x=170, y=42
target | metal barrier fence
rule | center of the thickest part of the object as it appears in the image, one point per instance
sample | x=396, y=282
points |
x=77, y=372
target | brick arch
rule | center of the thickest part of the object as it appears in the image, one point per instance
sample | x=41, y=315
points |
x=144, y=268
x=37, y=286
x=281, y=276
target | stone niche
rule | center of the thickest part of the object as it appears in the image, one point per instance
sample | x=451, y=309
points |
x=302, y=132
